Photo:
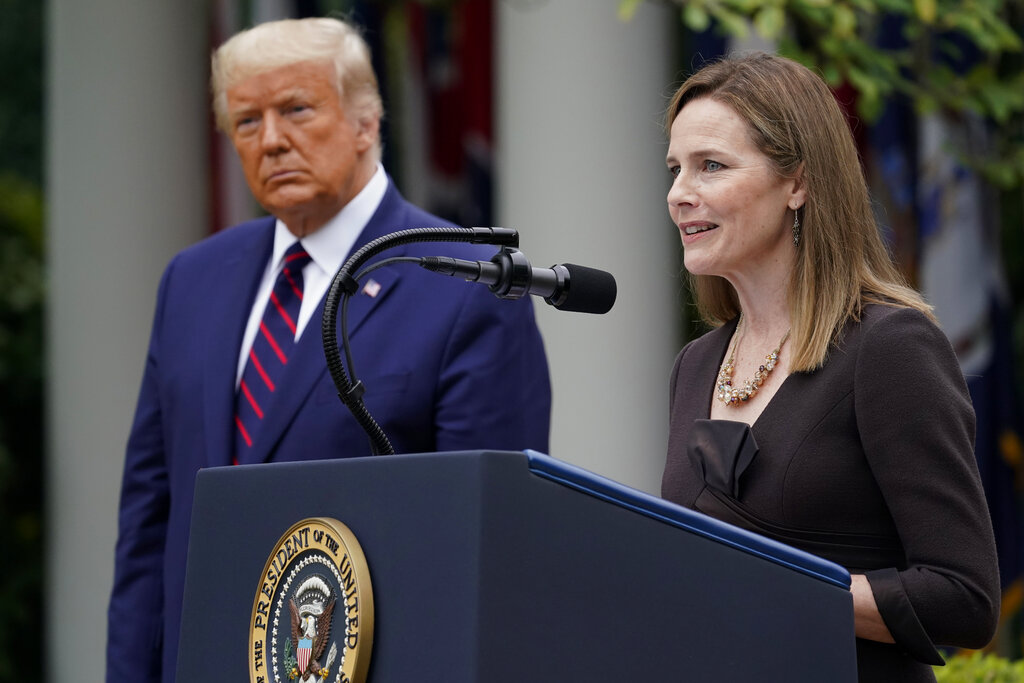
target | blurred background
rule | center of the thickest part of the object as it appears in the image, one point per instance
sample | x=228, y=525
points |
x=540, y=115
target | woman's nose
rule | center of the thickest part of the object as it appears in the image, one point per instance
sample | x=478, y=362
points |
x=681, y=191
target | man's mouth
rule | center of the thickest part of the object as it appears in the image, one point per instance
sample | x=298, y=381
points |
x=280, y=174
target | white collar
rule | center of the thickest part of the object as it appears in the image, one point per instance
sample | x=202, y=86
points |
x=329, y=245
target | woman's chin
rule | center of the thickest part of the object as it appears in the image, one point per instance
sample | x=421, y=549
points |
x=698, y=266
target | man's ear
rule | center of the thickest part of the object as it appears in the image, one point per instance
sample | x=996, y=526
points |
x=367, y=132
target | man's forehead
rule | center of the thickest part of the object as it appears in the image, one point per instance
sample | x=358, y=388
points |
x=278, y=84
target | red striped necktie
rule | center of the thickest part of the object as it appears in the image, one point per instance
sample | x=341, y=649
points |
x=271, y=349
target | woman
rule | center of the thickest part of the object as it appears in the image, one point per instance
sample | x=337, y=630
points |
x=826, y=409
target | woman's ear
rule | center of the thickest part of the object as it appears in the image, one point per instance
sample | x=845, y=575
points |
x=798, y=191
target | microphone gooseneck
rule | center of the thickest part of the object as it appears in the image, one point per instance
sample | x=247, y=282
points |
x=344, y=285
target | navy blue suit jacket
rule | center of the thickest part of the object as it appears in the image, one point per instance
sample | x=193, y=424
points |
x=446, y=365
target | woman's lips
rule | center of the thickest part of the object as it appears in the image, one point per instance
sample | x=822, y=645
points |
x=696, y=228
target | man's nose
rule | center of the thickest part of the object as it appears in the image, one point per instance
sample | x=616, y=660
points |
x=273, y=134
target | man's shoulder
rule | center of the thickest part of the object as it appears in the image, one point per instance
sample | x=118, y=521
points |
x=244, y=235
x=397, y=213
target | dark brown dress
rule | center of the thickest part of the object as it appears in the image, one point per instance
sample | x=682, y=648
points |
x=869, y=462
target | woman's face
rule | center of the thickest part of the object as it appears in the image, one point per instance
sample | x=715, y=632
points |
x=726, y=199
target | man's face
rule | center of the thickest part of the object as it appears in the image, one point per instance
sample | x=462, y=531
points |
x=303, y=157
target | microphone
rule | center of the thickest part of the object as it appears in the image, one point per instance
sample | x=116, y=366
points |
x=567, y=287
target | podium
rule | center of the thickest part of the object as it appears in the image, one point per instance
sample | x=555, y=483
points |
x=506, y=566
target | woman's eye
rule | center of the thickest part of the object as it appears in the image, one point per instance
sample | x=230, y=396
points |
x=712, y=165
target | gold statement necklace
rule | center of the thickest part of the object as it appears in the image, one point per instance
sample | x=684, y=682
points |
x=732, y=396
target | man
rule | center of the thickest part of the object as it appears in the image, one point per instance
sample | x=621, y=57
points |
x=236, y=371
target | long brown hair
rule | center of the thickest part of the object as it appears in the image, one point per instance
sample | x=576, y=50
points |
x=842, y=262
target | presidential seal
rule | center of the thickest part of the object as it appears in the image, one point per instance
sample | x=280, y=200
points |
x=312, y=618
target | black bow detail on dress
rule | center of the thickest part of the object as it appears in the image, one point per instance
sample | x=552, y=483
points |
x=721, y=450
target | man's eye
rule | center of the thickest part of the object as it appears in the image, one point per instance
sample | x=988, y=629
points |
x=674, y=170
x=245, y=123
x=712, y=165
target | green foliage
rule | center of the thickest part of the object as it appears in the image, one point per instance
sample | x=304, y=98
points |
x=21, y=283
x=22, y=628
x=21, y=423
x=21, y=91
x=980, y=668
x=837, y=38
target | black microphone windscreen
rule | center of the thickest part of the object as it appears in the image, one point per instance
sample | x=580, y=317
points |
x=590, y=290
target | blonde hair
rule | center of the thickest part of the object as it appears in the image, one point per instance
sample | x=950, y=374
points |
x=282, y=43
x=842, y=262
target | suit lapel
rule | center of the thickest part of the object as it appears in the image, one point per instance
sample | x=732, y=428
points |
x=391, y=215
x=227, y=311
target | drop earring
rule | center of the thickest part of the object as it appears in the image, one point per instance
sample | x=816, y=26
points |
x=796, y=227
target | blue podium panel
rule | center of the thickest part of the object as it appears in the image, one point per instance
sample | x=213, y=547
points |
x=497, y=566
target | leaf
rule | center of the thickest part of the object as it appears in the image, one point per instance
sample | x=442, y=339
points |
x=901, y=7
x=925, y=103
x=830, y=72
x=866, y=6
x=747, y=7
x=925, y=10
x=971, y=25
x=869, y=100
x=696, y=17
x=870, y=108
x=1000, y=101
x=1002, y=34
x=627, y=8
x=731, y=22
x=770, y=21
x=845, y=22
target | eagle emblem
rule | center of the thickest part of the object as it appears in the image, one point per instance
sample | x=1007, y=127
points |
x=312, y=615
x=312, y=608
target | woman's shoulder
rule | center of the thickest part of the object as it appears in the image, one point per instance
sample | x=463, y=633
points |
x=893, y=338
x=874, y=313
x=887, y=323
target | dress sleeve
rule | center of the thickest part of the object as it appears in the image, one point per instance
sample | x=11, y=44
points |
x=673, y=381
x=916, y=423
x=135, y=614
x=680, y=483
